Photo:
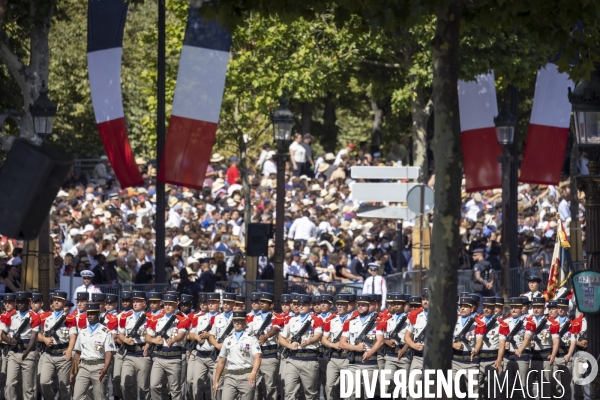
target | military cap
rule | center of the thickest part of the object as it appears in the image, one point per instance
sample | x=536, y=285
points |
x=363, y=298
x=425, y=292
x=466, y=301
x=187, y=298
x=267, y=297
x=479, y=250
x=304, y=298
x=518, y=301
x=176, y=293
x=327, y=298
x=403, y=298
x=82, y=296
x=286, y=298
x=489, y=301
x=373, y=265
x=59, y=295
x=562, y=302
x=170, y=298
x=342, y=298
x=538, y=301
x=415, y=300
x=229, y=296
x=93, y=307
x=255, y=296
x=296, y=297
x=86, y=273
x=534, y=278
x=112, y=298
x=316, y=299
x=351, y=298
x=552, y=304
x=138, y=295
x=526, y=300
x=240, y=299
x=463, y=294
x=154, y=296
x=476, y=298
x=239, y=315
x=126, y=295
x=23, y=296
x=10, y=297
x=377, y=297
x=499, y=301
x=69, y=304
x=213, y=296
x=98, y=297
x=35, y=296
x=201, y=297
x=390, y=297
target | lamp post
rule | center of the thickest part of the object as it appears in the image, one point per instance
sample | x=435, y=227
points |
x=283, y=121
x=505, y=131
x=585, y=101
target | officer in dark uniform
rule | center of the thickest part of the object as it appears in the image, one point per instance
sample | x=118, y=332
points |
x=534, y=287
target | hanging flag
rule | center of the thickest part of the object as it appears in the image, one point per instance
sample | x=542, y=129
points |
x=106, y=22
x=561, y=268
x=478, y=107
x=548, y=128
x=197, y=102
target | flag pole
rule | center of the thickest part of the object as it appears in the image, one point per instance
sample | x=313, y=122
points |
x=159, y=260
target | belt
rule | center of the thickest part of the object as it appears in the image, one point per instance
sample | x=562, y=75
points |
x=464, y=357
x=540, y=355
x=168, y=354
x=418, y=354
x=525, y=356
x=304, y=354
x=359, y=355
x=488, y=354
x=92, y=362
x=242, y=371
x=339, y=354
x=20, y=347
x=57, y=349
x=135, y=350
x=268, y=350
x=203, y=354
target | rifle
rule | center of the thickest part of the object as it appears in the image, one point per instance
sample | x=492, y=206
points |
x=41, y=346
x=162, y=333
x=361, y=337
x=540, y=326
x=419, y=339
x=327, y=353
x=133, y=332
x=17, y=335
x=562, y=331
x=215, y=353
x=516, y=329
x=461, y=335
x=489, y=325
x=190, y=344
x=264, y=325
x=285, y=352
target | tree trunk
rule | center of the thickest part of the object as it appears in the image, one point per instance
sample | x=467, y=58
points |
x=420, y=109
x=376, y=126
x=330, y=130
x=307, y=117
x=448, y=168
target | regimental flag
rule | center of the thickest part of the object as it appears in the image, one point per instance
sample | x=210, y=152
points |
x=548, y=128
x=197, y=102
x=561, y=268
x=106, y=22
x=478, y=107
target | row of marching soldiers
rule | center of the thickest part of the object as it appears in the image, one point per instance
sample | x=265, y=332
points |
x=158, y=347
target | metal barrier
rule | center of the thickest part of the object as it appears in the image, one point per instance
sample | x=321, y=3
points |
x=518, y=279
x=86, y=165
x=110, y=289
x=146, y=287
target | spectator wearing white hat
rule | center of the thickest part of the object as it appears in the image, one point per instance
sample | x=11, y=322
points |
x=87, y=286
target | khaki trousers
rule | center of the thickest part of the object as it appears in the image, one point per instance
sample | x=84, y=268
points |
x=488, y=375
x=322, y=375
x=3, y=373
x=362, y=367
x=20, y=376
x=88, y=376
x=50, y=367
x=183, y=375
x=135, y=377
x=117, y=364
x=301, y=376
x=465, y=366
x=416, y=364
x=542, y=370
x=513, y=368
x=393, y=364
x=201, y=377
x=266, y=379
x=332, y=386
x=237, y=387
x=564, y=377
x=165, y=371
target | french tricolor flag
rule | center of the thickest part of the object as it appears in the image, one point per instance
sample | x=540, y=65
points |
x=478, y=107
x=548, y=128
x=106, y=22
x=197, y=102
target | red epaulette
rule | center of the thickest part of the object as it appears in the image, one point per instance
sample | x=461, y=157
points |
x=45, y=315
x=249, y=318
x=111, y=321
x=70, y=321
x=317, y=321
x=576, y=325
x=531, y=326
x=480, y=328
x=123, y=318
x=82, y=320
x=332, y=316
x=412, y=316
x=554, y=326
x=34, y=319
x=6, y=317
x=183, y=322
x=504, y=328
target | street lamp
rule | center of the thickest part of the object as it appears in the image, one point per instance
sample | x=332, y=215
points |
x=585, y=101
x=283, y=121
x=505, y=124
x=43, y=113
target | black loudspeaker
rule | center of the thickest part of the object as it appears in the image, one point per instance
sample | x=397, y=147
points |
x=257, y=239
x=29, y=182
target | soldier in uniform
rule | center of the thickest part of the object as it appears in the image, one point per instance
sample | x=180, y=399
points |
x=284, y=317
x=332, y=333
x=87, y=286
x=325, y=305
x=19, y=331
x=395, y=330
x=559, y=311
x=240, y=359
x=81, y=302
x=37, y=302
x=94, y=349
x=266, y=387
x=240, y=303
x=301, y=368
x=112, y=302
x=364, y=351
x=468, y=338
x=166, y=365
x=55, y=359
x=499, y=306
x=255, y=304
x=490, y=363
x=155, y=302
x=185, y=308
x=201, y=366
x=222, y=326
x=352, y=304
x=417, y=319
x=136, y=366
x=545, y=344
x=533, y=282
x=9, y=305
